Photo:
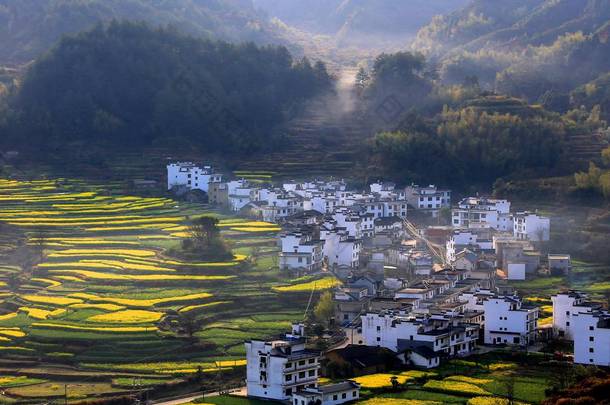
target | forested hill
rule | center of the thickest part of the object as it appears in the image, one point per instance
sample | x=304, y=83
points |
x=359, y=20
x=128, y=85
x=30, y=27
x=537, y=49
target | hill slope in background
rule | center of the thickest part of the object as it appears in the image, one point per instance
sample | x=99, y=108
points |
x=30, y=27
x=130, y=85
x=537, y=49
x=359, y=21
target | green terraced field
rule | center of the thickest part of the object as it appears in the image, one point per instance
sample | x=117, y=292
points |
x=105, y=294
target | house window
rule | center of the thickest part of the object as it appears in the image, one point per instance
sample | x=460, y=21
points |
x=312, y=373
x=302, y=374
x=354, y=393
x=288, y=391
x=344, y=395
x=288, y=377
x=591, y=327
x=568, y=323
x=591, y=350
x=591, y=339
x=335, y=397
x=288, y=365
x=378, y=339
x=311, y=361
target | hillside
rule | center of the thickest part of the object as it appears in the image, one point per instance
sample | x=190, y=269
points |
x=134, y=86
x=30, y=27
x=359, y=21
x=524, y=48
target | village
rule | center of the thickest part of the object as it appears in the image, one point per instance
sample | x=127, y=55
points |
x=412, y=296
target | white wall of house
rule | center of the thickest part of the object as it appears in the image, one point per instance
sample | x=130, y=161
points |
x=507, y=322
x=529, y=226
x=565, y=305
x=592, y=338
x=516, y=271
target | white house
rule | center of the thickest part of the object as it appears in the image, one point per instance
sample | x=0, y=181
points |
x=565, y=305
x=340, y=249
x=240, y=194
x=591, y=331
x=331, y=394
x=530, y=226
x=191, y=176
x=428, y=198
x=278, y=369
x=300, y=252
x=423, y=340
x=508, y=321
x=474, y=239
x=478, y=212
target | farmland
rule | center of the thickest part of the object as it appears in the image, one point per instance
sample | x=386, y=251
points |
x=87, y=285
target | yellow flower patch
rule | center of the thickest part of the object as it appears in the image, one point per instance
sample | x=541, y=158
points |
x=6, y=317
x=127, y=316
x=211, y=304
x=321, y=284
x=397, y=401
x=141, y=303
x=38, y=313
x=12, y=332
x=97, y=252
x=51, y=283
x=105, y=307
x=95, y=275
x=50, y=299
x=458, y=387
x=385, y=379
x=255, y=229
x=118, y=329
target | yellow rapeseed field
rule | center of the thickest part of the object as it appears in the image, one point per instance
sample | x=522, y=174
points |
x=143, y=303
x=12, y=332
x=38, y=313
x=321, y=284
x=127, y=316
x=105, y=307
x=118, y=329
x=6, y=317
x=50, y=299
x=211, y=304
x=95, y=275
x=385, y=379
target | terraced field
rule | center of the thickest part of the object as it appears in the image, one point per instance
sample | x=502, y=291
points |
x=103, y=294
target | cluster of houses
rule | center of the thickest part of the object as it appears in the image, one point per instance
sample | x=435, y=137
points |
x=413, y=296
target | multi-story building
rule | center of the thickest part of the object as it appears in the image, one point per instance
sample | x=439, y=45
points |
x=278, y=369
x=340, y=249
x=300, y=252
x=565, y=305
x=478, y=212
x=425, y=339
x=240, y=193
x=330, y=394
x=428, y=198
x=190, y=175
x=591, y=332
x=530, y=226
x=509, y=321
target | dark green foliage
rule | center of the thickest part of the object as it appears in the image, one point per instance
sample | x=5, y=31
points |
x=28, y=28
x=535, y=49
x=129, y=85
x=475, y=144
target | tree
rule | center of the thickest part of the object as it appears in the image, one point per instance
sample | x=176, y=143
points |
x=509, y=383
x=325, y=309
x=204, y=231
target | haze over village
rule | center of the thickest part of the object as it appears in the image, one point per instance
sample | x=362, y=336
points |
x=305, y=202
